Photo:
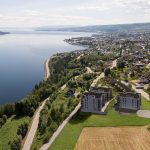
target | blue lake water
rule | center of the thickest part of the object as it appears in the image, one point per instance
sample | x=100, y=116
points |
x=22, y=56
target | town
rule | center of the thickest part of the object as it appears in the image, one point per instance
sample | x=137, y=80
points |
x=101, y=89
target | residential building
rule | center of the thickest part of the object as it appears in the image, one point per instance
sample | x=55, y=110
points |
x=143, y=80
x=70, y=93
x=91, y=102
x=107, y=92
x=128, y=102
x=95, y=99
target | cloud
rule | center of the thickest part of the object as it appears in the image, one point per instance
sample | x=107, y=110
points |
x=134, y=4
x=79, y=12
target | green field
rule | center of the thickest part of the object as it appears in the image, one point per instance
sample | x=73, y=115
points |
x=9, y=131
x=145, y=104
x=68, y=137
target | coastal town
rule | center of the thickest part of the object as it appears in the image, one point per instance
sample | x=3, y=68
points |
x=75, y=75
x=105, y=86
x=115, y=77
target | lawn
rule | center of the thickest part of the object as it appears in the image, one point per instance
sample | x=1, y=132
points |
x=9, y=131
x=39, y=139
x=145, y=104
x=69, y=136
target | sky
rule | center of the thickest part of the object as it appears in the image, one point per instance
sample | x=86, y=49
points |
x=35, y=13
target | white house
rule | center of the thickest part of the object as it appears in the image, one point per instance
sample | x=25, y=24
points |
x=95, y=99
x=107, y=92
x=91, y=102
x=143, y=80
x=128, y=102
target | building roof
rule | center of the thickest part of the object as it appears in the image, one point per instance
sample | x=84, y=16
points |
x=129, y=94
x=100, y=88
x=97, y=95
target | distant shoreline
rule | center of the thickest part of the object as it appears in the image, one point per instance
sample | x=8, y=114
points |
x=3, y=33
x=46, y=69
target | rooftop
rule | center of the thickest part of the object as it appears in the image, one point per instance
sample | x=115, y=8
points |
x=129, y=94
x=97, y=95
x=100, y=88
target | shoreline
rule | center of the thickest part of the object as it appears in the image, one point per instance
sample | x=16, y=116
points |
x=46, y=69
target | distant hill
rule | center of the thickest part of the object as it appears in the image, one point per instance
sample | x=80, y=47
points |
x=136, y=27
x=2, y=33
x=55, y=28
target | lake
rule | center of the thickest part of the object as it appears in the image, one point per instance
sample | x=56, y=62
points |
x=22, y=57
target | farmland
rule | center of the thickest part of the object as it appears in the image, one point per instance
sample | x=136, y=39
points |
x=112, y=138
x=80, y=121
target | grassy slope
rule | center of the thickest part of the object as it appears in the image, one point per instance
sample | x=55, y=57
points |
x=70, y=134
x=38, y=140
x=9, y=131
x=145, y=104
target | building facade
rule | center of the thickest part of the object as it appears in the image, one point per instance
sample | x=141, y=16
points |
x=128, y=102
x=106, y=92
x=95, y=99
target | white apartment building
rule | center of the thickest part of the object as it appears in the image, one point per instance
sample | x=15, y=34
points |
x=128, y=102
x=95, y=99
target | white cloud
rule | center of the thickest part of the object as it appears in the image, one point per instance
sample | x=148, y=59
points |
x=79, y=12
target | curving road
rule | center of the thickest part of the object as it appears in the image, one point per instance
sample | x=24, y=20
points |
x=143, y=93
x=89, y=70
x=57, y=132
x=114, y=64
x=32, y=131
x=34, y=126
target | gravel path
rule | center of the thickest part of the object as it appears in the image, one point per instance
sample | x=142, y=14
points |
x=89, y=70
x=32, y=131
x=34, y=126
x=144, y=113
x=143, y=93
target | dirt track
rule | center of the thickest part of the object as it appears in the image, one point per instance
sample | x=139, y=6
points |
x=114, y=138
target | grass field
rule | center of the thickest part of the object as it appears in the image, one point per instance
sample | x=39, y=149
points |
x=145, y=104
x=9, y=131
x=69, y=136
x=114, y=138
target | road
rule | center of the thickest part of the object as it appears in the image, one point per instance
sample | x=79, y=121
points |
x=57, y=132
x=104, y=108
x=114, y=64
x=63, y=87
x=143, y=93
x=78, y=58
x=34, y=126
x=97, y=79
x=32, y=131
x=89, y=70
x=54, y=136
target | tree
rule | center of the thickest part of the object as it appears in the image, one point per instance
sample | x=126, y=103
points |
x=61, y=109
x=107, y=72
x=22, y=129
x=53, y=126
x=69, y=103
x=1, y=122
x=4, y=118
x=72, y=84
x=42, y=127
x=16, y=143
x=87, y=77
x=120, y=64
x=130, y=86
x=88, y=85
x=49, y=121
